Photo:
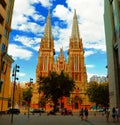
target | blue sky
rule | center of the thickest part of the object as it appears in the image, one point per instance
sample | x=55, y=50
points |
x=28, y=23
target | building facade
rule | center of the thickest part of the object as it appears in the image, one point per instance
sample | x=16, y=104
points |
x=18, y=95
x=112, y=33
x=98, y=79
x=75, y=66
x=6, y=10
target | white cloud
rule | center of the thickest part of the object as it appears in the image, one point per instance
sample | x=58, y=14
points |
x=45, y=3
x=90, y=23
x=22, y=13
x=90, y=19
x=19, y=52
x=90, y=66
x=61, y=12
x=90, y=52
x=20, y=74
x=32, y=42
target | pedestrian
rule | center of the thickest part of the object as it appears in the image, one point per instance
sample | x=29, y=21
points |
x=113, y=114
x=117, y=114
x=86, y=113
x=107, y=113
x=81, y=113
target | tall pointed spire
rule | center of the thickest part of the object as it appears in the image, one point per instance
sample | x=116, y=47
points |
x=48, y=29
x=75, y=28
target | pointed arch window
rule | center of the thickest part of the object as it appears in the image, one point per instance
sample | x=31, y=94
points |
x=76, y=62
x=45, y=63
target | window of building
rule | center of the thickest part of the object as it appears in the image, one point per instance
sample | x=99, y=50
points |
x=6, y=33
x=3, y=47
x=3, y=63
x=3, y=3
x=76, y=63
x=1, y=19
x=46, y=63
x=0, y=37
x=1, y=82
x=76, y=77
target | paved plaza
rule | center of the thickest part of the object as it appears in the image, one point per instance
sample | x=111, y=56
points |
x=22, y=119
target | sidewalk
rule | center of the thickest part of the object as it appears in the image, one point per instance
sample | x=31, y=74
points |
x=100, y=120
x=56, y=120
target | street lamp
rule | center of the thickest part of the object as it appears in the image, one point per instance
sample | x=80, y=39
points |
x=14, y=73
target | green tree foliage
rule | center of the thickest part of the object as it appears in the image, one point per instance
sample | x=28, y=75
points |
x=27, y=94
x=98, y=93
x=56, y=86
x=42, y=102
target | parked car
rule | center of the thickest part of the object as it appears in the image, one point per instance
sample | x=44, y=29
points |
x=66, y=111
x=101, y=110
x=13, y=111
x=104, y=109
x=41, y=110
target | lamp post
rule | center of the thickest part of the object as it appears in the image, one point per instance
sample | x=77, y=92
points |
x=29, y=98
x=15, y=70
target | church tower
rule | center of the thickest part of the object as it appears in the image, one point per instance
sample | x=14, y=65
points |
x=75, y=66
x=46, y=51
x=77, y=69
x=61, y=64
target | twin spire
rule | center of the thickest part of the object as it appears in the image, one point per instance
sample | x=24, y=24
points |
x=75, y=28
x=48, y=29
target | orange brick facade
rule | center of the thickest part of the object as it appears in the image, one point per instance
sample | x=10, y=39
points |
x=75, y=66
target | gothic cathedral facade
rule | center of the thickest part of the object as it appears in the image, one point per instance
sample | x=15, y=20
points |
x=75, y=66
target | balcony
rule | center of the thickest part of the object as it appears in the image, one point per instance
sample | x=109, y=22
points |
x=1, y=29
x=2, y=11
x=3, y=3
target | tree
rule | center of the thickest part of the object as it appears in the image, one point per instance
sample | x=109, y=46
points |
x=42, y=101
x=27, y=94
x=98, y=93
x=56, y=86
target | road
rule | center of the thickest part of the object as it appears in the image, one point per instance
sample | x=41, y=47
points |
x=54, y=120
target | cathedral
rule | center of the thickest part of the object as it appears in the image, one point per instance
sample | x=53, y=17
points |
x=74, y=67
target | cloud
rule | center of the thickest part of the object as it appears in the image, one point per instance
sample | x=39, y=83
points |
x=19, y=52
x=91, y=23
x=90, y=66
x=20, y=74
x=45, y=3
x=61, y=12
x=88, y=53
x=23, y=13
x=90, y=20
x=32, y=42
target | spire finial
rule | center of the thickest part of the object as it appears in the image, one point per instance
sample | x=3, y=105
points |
x=75, y=28
x=48, y=29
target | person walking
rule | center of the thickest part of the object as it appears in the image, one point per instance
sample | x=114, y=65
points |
x=86, y=113
x=113, y=114
x=107, y=113
x=81, y=113
x=117, y=114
